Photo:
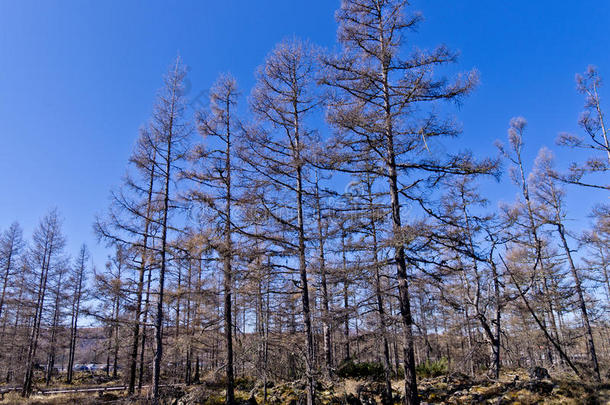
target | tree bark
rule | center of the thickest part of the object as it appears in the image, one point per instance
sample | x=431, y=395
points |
x=228, y=272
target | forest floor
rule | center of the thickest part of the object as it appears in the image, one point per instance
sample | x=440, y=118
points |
x=513, y=388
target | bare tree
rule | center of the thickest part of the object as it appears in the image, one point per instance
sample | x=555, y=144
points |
x=551, y=197
x=376, y=104
x=48, y=244
x=132, y=220
x=112, y=286
x=277, y=154
x=58, y=297
x=368, y=216
x=215, y=191
x=322, y=223
x=11, y=246
x=78, y=282
x=170, y=133
x=592, y=121
x=471, y=240
x=530, y=243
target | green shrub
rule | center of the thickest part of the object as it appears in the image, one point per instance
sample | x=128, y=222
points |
x=351, y=369
x=432, y=368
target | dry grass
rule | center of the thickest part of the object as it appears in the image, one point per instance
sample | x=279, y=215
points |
x=514, y=387
x=15, y=398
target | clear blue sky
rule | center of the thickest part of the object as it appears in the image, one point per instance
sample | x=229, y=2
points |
x=78, y=77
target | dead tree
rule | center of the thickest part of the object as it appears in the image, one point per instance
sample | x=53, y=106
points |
x=529, y=234
x=48, y=244
x=322, y=228
x=214, y=190
x=58, y=298
x=170, y=133
x=132, y=220
x=11, y=246
x=377, y=104
x=550, y=195
x=78, y=281
x=276, y=158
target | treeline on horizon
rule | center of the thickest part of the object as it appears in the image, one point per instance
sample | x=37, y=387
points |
x=239, y=250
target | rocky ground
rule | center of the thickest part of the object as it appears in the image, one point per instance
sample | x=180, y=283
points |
x=516, y=387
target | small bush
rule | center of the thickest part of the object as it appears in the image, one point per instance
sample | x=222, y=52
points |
x=245, y=383
x=432, y=368
x=351, y=369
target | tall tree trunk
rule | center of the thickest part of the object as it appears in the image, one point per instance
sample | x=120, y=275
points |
x=144, y=329
x=188, y=326
x=470, y=353
x=411, y=397
x=345, y=299
x=382, y=323
x=142, y=271
x=109, y=350
x=75, y=313
x=53, y=340
x=33, y=343
x=228, y=272
x=326, y=326
x=266, y=336
x=496, y=364
x=309, y=358
x=582, y=304
x=116, y=329
x=165, y=211
x=379, y=295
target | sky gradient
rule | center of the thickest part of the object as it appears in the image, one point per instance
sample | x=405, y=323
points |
x=79, y=77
